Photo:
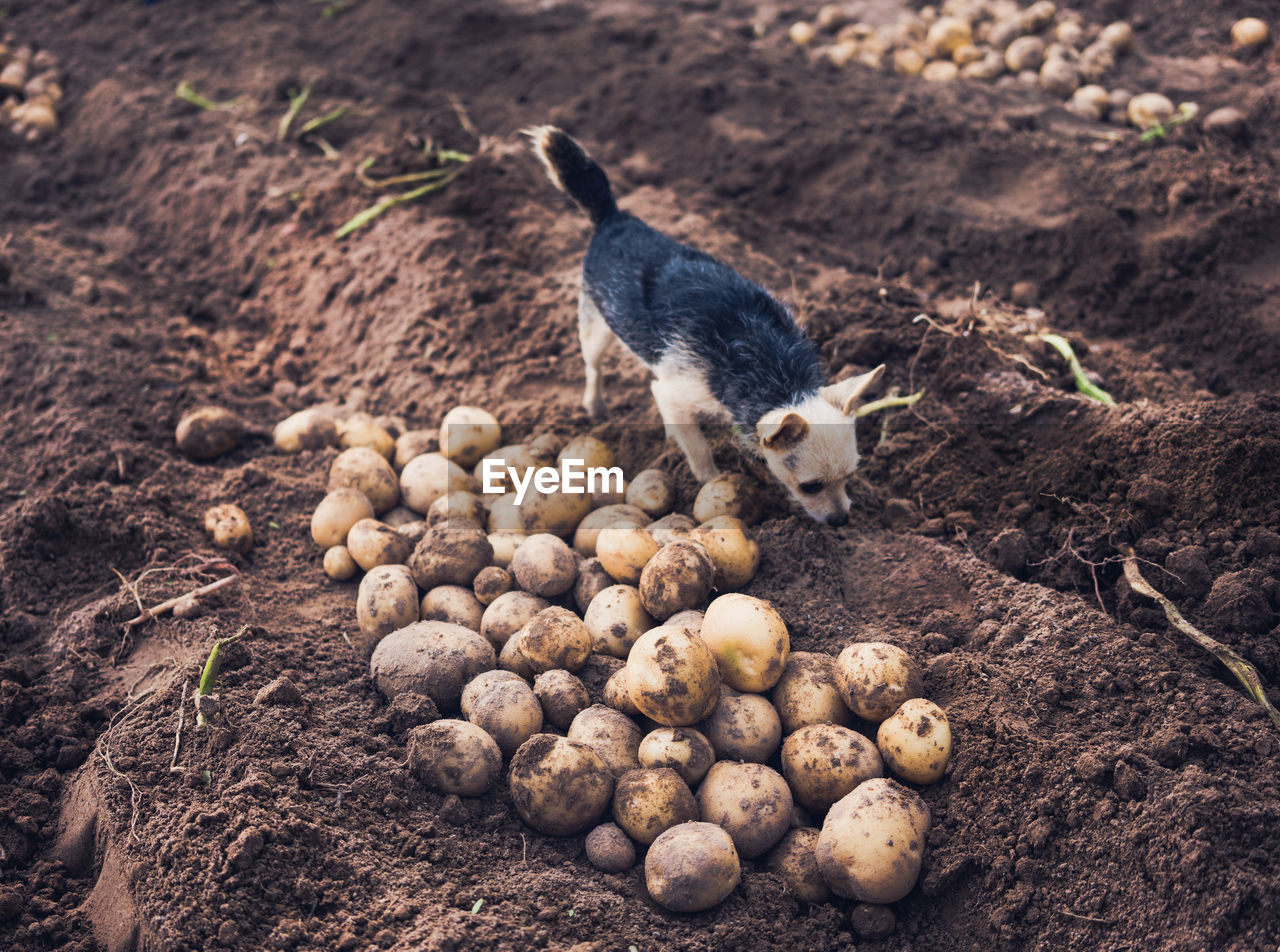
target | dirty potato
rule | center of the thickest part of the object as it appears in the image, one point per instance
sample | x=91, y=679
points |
x=558, y=786
x=386, y=601
x=611, y=734
x=872, y=842
x=591, y=451
x=621, y=516
x=491, y=582
x=413, y=443
x=795, y=863
x=592, y=580
x=646, y=802
x=735, y=554
x=363, y=469
x=730, y=494
x=360, y=429
x=310, y=429
x=450, y=553
x=750, y=801
x=807, y=693
x=508, y=614
x=617, y=693
x=426, y=478
x=824, y=762
x=433, y=658
x=672, y=676
x=508, y=712
x=875, y=678
x=652, y=491
x=504, y=546
x=749, y=640
x=338, y=564
x=481, y=683
x=562, y=696
x=454, y=604
x=229, y=527
x=671, y=528
x=557, y=512
x=609, y=849
x=544, y=565
x=371, y=543
x=692, y=867
x=467, y=434
x=743, y=727
x=206, y=433
x=336, y=513
x=615, y=619
x=916, y=741
x=451, y=756
x=683, y=749
x=623, y=551
x=676, y=579
x=555, y=638
x=458, y=505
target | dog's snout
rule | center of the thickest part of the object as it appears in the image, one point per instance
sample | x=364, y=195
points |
x=838, y=519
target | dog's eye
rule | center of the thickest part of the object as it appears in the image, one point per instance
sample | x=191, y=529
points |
x=812, y=487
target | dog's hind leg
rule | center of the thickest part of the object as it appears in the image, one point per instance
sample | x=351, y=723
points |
x=595, y=337
x=679, y=416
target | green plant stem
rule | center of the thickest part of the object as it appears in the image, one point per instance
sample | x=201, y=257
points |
x=296, y=102
x=317, y=122
x=391, y=201
x=209, y=677
x=187, y=93
x=1083, y=383
x=443, y=155
x=887, y=403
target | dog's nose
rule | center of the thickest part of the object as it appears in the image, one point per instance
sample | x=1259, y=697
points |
x=838, y=520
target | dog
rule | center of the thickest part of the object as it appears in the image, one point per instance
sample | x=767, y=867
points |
x=719, y=345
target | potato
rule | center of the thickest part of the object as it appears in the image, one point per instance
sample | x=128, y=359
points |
x=691, y=867
x=609, y=849
x=413, y=532
x=555, y=638
x=807, y=693
x=454, y=604
x=874, y=679
x=608, y=493
x=338, y=563
x=624, y=551
x=940, y=71
x=433, y=658
x=451, y=553
x=1118, y=35
x=362, y=469
x=965, y=54
x=646, y=802
x=584, y=537
x=671, y=528
x=683, y=749
x=611, y=734
x=908, y=62
x=544, y=565
x=508, y=614
x=413, y=443
x=743, y=727
x=617, y=694
x=229, y=527
x=872, y=842
x=802, y=33
x=793, y=861
x=615, y=619
x=336, y=513
x=592, y=580
x=652, y=491
x=508, y=712
x=749, y=640
x=504, y=546
x=426, y=478
x=371, y=543
x=458, y=505
x=676, y=579
x=1090, y=102
x=731, y=494
x=490, y=583
x=690, y=618
x=396, y=517
x=359, y=429
x=559, y=787
x=546, y=444
x=1249, y=33
x=916, y=741
x=824, y=762
x=750, y=801
x=451, y=756
x=206, y=432
x=989, y=68
x=672, y=676
x=505, y=516
x=512, y=659
x=592, y=452
x=311, y=429
x=562, y=696
x=483, y=682
x=1026, y=52
x=1096, y=61
x=386, y=601
x=518, y=457
x=946, y=35
x=1149, y=109
x=735, y=555
x=467, y=434
x=556, y=512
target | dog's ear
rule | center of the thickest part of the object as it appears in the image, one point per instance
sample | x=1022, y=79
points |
x=782, y=432
x=844, y=395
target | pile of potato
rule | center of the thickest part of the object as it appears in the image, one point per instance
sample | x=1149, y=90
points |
x=711, y=742
x=30, y=89
x=1000, y=41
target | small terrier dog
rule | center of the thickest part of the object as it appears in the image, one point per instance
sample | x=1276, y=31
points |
x=719, y=345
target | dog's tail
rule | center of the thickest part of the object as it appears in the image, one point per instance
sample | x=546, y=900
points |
x=572, y=171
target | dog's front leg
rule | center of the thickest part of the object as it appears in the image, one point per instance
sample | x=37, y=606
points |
x=681, y=424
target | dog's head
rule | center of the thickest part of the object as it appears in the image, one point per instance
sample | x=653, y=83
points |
x=811, y=448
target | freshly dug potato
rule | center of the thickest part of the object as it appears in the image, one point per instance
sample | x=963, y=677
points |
x=802, y=33
x=653, y=491
x=490, y=583
x=494, y=469
x=730, y=494
x=207, y=432
x=426, y=478
x=398, y=516
x=467, y=434
x=451, y=756
x=454, y=604
x=1118, y=35
x=1249, y=33
x=623, y=551
x=1096, y=61
x=592, y=452
x=505, y=516
x=546, y=444
x=609, y=849
x=559, y=787
x=874, y=679
x=743, y=727
x=508, y=712
x=544, y=565
x=336, y=513
x=311, y=429
x=824, y=762
x=556, y=512
x=940, y=71
x=908, y=62
x=872, y=842
x=646, y=802
x=483, y=682
x=611, y=734
x=584, y=537
x=692, y=867
x=750, y=801
x=1026, y=52
x=458, y=505
x=371, y=543
x=504, y=546
x=413, y=532
x=451, y=553
x=562, y=696
x=592, y=580
x=617, y=694
x=807, y=693
x=1149, y=109
x=1059, y=77
x=508, y=614
x=735, y=554
x=794, y=862
x=413, y=443
x=916, y=741
x=386, y=601
x=946, y=35
x=673, y=527
x=676, y=579
x=338, y=563
x=615, y=619
x=363, y=469
x=511, y=658
x=555, y=638
x=683, y=749
x=359, y=429
x=433, y=658
x=690, y=618
x=229, y=527
x=672, y=676
x=749, y=640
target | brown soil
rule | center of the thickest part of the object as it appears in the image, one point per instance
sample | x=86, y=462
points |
x=1112, y=787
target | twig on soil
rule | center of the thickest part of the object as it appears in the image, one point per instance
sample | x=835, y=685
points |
x=135, y=795
x=187, y=93
x=887, y=403
x=206, y=710
x=146, y=614
x=464, y=117
x=1244, y=672
x=1083, y=383
x=177, y=736
x=1083, y=918
x=296, y=101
